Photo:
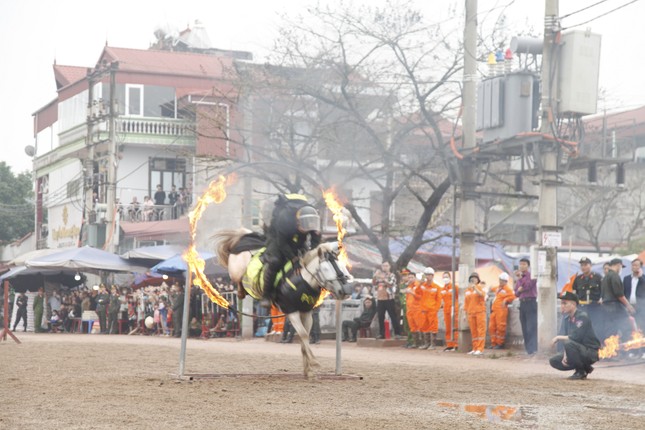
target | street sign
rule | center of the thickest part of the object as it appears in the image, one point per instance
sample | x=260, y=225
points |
x=552, y=239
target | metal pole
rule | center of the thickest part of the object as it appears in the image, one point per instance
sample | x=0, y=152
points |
x=184, y=326
x=453, y=264
x=339, y=304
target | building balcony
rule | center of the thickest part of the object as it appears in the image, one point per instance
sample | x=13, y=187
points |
x=151, y=213
x=139, y=213
x=154, y=131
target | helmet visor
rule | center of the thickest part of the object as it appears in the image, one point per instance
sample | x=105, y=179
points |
x=307, y=219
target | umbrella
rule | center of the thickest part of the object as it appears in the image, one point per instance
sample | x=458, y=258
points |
x=86, y=259
x=177, y=266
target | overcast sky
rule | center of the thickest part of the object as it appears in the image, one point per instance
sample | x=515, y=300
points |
x=34, y=33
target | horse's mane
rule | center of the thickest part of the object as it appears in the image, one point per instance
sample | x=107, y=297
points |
x=225, y=240
x=319, y=250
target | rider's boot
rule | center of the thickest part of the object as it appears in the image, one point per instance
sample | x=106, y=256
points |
x=268, y=291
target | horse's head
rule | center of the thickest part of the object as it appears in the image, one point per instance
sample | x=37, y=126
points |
x=329, y=273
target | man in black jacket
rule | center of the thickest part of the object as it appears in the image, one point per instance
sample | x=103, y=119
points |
x=21, y=302
x=616, y=308
x=294, y=229
x=363, y=321
x=578, y=339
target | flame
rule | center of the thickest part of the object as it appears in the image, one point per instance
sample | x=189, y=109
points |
x=331, y=200
x=612, y=345
x=215, y=193
x=638, y=341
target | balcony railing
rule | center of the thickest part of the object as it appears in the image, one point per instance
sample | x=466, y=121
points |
x=154, y=126
x=142, y=213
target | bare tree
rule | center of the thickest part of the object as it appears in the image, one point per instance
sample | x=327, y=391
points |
x=357, y=98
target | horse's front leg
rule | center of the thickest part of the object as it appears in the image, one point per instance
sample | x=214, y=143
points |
x=302, y=321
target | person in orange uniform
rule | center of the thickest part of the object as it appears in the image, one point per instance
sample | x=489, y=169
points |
x=278, y=323
x=446, y=297
x=413, y=308
x=430, y=304
x=504, y=296
x=475, y=307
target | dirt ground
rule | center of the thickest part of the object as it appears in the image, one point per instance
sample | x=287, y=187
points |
x=75, y=381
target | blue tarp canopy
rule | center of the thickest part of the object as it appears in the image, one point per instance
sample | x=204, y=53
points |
x=176, y=266
x=436, y=251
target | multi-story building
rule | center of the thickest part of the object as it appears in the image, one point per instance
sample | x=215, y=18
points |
x=150, y=118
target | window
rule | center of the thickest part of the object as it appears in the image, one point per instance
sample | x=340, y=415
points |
x=74, y=188
x=134, y=100
x=166, y=172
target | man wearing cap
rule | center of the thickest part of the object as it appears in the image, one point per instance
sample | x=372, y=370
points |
x=504, y=296
x=579, y=342
x=616, y=309
x=526, y=291
x=587, y=287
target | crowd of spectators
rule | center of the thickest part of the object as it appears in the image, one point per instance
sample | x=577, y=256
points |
x=161, y=205
x=149, y=310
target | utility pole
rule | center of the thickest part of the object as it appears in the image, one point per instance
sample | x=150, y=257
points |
x=88, y=185
x=112, y=232
x=546, y=269
x=468, y=168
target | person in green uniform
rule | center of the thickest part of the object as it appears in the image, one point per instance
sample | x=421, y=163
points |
x=38, y=307
x=113, y=311
x=177, y=309
x=102, y=301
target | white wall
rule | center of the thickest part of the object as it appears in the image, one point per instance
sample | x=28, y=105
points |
x=47, y=139
x=15, y=249
x=132, y=173
x=73, y=111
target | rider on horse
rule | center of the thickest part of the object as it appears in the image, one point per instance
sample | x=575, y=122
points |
x=294, y=229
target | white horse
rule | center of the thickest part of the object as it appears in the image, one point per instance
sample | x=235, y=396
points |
x=297, y=291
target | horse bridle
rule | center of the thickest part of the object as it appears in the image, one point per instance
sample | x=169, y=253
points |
x=331, y=258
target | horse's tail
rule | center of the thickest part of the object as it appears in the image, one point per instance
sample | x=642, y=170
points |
x=225, y=241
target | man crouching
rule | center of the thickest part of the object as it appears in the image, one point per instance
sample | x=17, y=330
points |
x=578, y=339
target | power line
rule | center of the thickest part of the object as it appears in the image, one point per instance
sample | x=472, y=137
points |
x=600, y=16
x=584, y=8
